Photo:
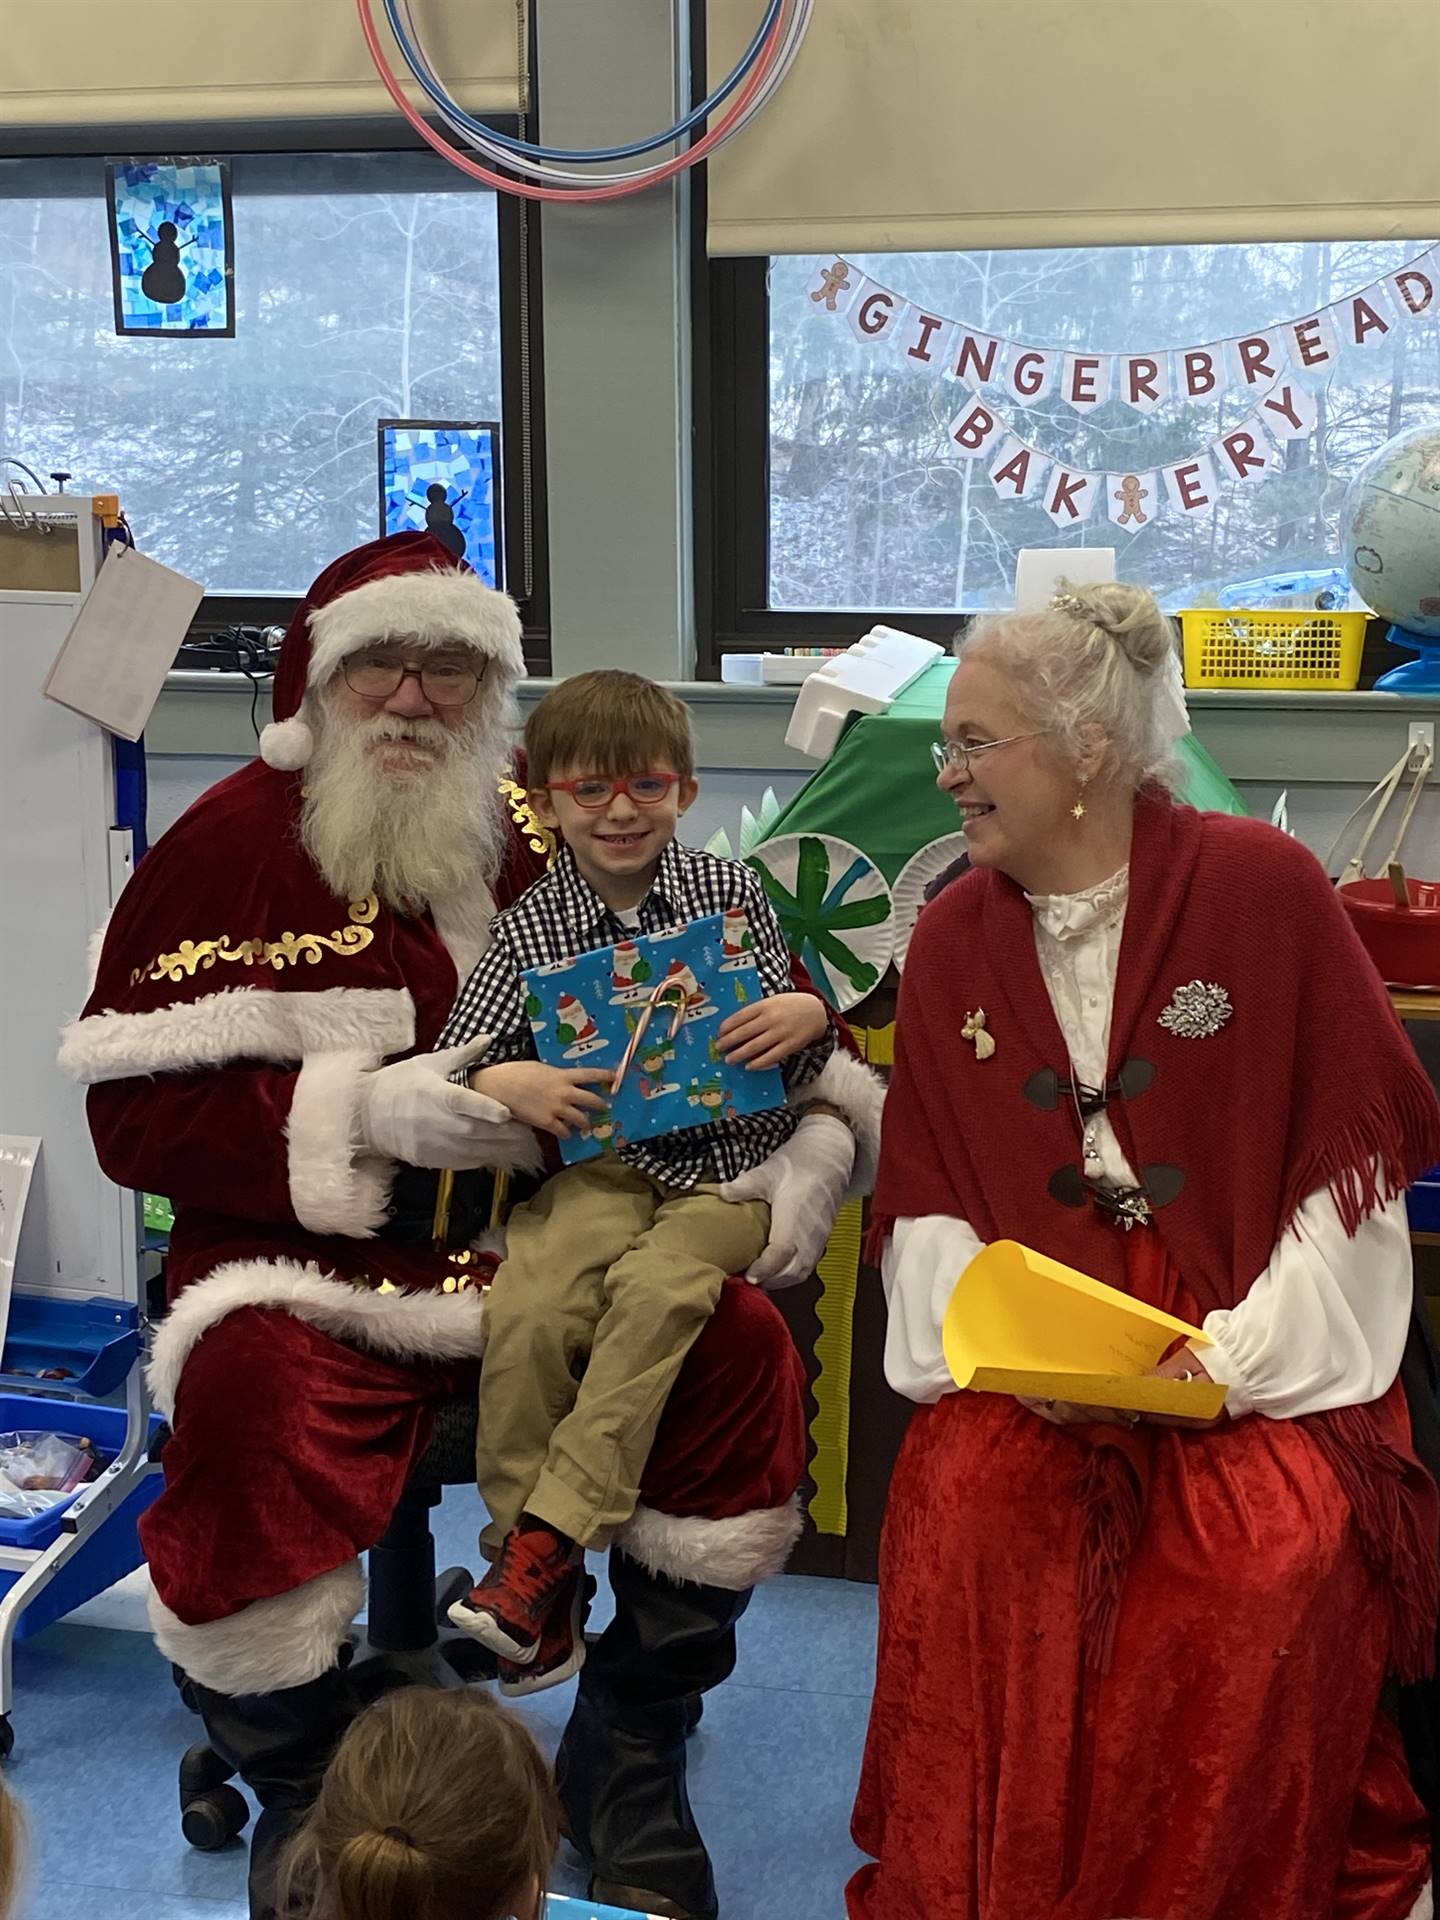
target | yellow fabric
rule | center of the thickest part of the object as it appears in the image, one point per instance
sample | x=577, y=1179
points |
x=608, y=1279
x=915, y=125
x=830, y=1429
x=175, y=61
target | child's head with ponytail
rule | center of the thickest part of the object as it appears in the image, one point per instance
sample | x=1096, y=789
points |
x=436, y=1806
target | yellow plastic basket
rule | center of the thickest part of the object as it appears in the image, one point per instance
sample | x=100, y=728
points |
x=1295, y=651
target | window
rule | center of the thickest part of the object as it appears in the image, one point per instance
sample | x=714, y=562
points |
x=368, y=285
x=838, y=493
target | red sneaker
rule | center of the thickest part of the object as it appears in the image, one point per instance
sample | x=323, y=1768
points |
x=561, y=1652
x=509, y=1610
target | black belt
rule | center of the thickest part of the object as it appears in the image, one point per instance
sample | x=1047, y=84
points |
x=478, y=1198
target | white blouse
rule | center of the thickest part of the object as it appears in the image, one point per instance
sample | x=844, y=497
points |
x=1323, y=1326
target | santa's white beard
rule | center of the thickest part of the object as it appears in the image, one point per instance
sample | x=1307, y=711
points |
x=431, y=833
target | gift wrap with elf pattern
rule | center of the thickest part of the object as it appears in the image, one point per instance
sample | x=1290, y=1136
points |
x=653, y=1006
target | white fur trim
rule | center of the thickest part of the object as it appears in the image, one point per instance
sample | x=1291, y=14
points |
x=94, y=947
x=241, y=1023
x=334, y=1186
x=858, y=1092
x=401, y=1326
x=283, y=1642
x=1424, y=1909
x=735, y=1554
x=286, y=745
x=437, y=607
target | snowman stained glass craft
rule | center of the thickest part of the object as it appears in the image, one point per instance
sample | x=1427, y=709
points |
x=443, y=477
x=172, y=250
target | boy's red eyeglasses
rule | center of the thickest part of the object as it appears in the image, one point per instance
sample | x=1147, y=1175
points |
x=597, y=790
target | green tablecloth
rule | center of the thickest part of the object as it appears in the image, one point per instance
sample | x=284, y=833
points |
x=878, y=791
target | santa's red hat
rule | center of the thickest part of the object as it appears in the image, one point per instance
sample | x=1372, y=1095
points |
x=404, y=586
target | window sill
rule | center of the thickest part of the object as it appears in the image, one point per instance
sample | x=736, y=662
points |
x=1328, y=738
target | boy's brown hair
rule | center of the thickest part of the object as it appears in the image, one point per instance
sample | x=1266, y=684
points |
x=436, y=1806
x=611, y=722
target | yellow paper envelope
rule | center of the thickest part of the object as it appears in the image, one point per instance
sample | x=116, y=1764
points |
x=1019, y=1322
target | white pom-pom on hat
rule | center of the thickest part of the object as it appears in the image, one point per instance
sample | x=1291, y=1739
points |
x=286, y=745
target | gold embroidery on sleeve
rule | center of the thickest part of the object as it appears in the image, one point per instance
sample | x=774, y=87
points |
x=198, y=956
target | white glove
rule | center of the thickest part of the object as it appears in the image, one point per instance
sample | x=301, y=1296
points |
x=804, y=1182
x=413, y=1112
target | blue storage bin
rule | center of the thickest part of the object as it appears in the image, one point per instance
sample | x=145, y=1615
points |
x=1422, y=1203
x=96, y=1342
x=113, y=1550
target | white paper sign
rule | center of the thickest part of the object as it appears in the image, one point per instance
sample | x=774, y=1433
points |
x=1030, y=373
x=124, y=641
x=1070, y=497
x=832, y=284
x=1039, y=571
x=18, y=1155
x=1190, y=484
x=1131, y=500
x=1289, y=412
x=1244, y=453
x=1258, y=360
x=925, y=340
x=977, y=358
x=1312, y=342
x=1366, y=319
x=1018, y=472
x=975, y=429
x=1085, y=380
x=1144, y=380
x=873, y=312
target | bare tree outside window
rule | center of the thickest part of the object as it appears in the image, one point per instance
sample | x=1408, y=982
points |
x=367, y=286
x=871, y=508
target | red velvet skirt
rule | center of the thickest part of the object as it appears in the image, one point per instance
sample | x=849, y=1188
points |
x=1231, y=1762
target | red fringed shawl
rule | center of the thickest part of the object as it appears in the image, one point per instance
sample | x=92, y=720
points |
x=1309, y=1083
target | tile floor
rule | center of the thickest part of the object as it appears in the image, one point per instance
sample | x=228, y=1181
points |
x=99, y=1730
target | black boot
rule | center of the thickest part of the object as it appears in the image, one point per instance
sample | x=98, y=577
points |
x=280, y=1745
x=621, y=1765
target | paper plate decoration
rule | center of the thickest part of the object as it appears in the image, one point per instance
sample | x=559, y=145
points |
x=913, y=878
x=835, y=909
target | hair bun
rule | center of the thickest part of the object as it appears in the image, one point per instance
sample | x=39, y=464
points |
x=1128, y=615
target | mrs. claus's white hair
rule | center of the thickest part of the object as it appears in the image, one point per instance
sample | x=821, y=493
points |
x=1091, y=671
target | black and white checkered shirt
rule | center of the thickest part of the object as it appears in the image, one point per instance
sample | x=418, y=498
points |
x=563, y=915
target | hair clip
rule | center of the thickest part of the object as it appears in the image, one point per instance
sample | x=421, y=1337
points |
x=1070, y=603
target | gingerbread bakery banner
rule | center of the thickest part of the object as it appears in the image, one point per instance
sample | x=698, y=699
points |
x=1271, y=369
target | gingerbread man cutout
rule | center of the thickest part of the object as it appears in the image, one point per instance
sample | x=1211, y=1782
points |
x=1130, y=493
x=833, y=282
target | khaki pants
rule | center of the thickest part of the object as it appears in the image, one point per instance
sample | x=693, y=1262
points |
x=608, y=1279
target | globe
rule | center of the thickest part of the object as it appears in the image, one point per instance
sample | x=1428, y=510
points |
x=1390, y=529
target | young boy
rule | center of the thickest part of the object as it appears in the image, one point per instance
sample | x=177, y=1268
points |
x=616, y=1264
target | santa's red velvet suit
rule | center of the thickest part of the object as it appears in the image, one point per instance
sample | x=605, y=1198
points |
x=238, y=1006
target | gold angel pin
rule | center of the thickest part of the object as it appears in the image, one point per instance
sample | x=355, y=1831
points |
x=974, y=1030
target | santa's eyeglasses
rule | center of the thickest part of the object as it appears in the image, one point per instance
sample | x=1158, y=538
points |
x=597, y=790
x=444, y=683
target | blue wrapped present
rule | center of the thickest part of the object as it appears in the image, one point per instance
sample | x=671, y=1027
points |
x=650, y=1009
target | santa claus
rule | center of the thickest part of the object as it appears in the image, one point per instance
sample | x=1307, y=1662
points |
x=257, y=1047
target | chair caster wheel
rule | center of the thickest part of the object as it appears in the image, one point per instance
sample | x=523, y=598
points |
x=213, y=1819
x=7, y=1737
x=452, y=1585
x=202, y=1770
